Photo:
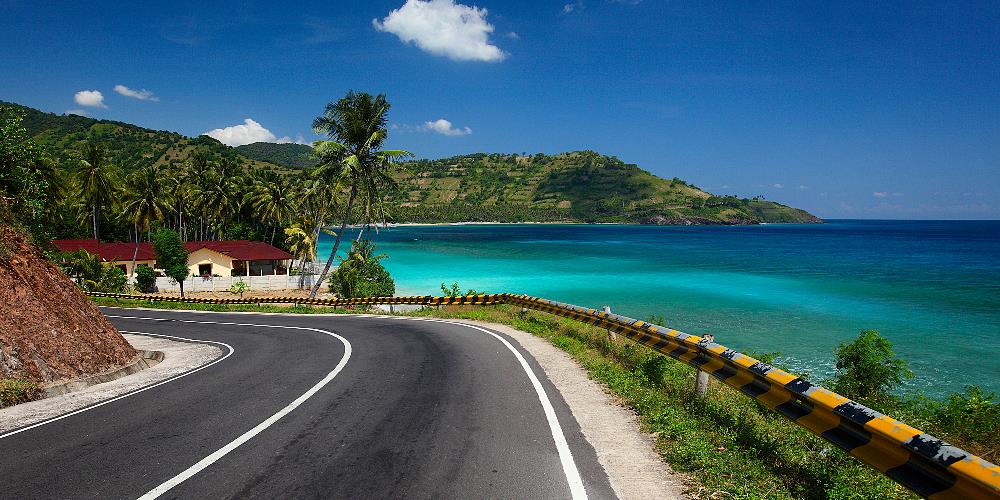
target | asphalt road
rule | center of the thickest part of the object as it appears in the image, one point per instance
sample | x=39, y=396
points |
x=318, y=407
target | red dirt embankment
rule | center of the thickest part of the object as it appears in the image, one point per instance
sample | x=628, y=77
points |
x=49, y=330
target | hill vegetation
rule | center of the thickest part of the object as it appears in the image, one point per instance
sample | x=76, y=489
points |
x=581, y=186
x=130, y=147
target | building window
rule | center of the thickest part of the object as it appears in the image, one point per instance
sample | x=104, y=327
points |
x=204, y=269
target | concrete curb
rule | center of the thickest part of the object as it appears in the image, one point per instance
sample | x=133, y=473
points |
x=143, y=360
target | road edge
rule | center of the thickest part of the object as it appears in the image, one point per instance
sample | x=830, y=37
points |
x=627, y=455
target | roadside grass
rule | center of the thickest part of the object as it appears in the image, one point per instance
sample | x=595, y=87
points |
x=727, y=445
x=730, y=445
x=18, y=390
x=193, y=306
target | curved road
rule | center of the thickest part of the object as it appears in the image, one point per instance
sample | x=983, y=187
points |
x=318, y=407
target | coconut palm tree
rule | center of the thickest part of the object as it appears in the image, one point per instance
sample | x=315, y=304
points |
x=97, y=180
x=354, y=157
x=301, y=240
x=214, y=194
x=270, y=200
x=147, y=199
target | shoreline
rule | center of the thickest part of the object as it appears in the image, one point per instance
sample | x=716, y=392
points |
x=565, y=223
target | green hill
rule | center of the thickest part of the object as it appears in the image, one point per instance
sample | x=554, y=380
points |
x=290, y=155
x=581, y=186
x=129, y=146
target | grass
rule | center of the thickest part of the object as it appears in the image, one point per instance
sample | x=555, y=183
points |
x=18, y=390
x=726, y=445
x=192, y=306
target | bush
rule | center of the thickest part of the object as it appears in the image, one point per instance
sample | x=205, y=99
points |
x=972, y=416
x=112, y=280
x=239, y=288
x=145, y=279
x=361, y=275
x=15, y=391
x=867, y=368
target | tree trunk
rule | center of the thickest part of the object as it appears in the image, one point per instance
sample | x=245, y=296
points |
x=96, y=218
x=336, y=244
x=181, y=284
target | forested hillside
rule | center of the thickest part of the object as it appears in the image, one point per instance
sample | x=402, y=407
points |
x=581, y=186
x=129, y=146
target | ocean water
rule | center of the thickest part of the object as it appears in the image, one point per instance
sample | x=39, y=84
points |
x=931, y=287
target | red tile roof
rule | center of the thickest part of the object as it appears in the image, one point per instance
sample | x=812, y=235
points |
x=237, y=249
x=241, y=249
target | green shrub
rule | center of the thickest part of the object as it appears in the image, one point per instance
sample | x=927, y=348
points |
x=361, y=275
x=18, y=390
x=145, y=279
x=239, y=288
x=867, y=368
x=970, y=418
x=112, y=280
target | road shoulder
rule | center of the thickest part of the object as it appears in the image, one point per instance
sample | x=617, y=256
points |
x=179, y=357
x=627, y=455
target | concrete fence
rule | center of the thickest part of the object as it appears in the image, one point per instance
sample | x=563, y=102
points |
x=222, y=284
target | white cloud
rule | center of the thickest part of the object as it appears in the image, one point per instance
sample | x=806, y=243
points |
x=80, y=112
x=778, y=186
x=880, y=194
x=803, y=187
x=92, y=98
x=444, y=127
x=570, y=7
x=142, y=95
x=238, y=135
x=288, y=140
x=443, y=28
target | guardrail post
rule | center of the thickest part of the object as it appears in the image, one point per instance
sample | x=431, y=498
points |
x=611, y=336
x=701, y=379
x=701, y=384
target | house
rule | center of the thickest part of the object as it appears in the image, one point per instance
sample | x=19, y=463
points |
x=205, y=258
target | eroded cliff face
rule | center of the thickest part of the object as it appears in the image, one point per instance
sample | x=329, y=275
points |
x=49, y=330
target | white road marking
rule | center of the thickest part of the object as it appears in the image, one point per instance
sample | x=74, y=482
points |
x=565, y=455
x=221, y=452
x=570, y=470
x=137, y=391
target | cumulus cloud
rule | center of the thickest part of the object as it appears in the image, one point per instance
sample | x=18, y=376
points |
x=92, y=98
x=778, y=186
x=444, y=28
x=444, y=127
x=288, y=140
x=238, y=135
x=142, y=95
x=880, y=194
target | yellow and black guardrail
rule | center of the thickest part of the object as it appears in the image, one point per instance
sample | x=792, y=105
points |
x=928, y=466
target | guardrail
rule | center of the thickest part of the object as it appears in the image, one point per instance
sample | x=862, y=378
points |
x=924, y=464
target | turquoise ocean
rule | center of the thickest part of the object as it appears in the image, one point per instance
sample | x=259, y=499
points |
x=931, y=287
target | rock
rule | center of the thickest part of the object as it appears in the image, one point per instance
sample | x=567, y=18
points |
x=49, y=329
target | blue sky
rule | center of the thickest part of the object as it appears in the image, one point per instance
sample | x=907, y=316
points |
x=847, y=109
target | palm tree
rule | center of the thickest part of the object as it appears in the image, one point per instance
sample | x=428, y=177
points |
x=269, y=199
x=214, y=194
x=147, y=199
x=301, y=240
x=354, y=157
x=97, y=180
x=177, y=184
